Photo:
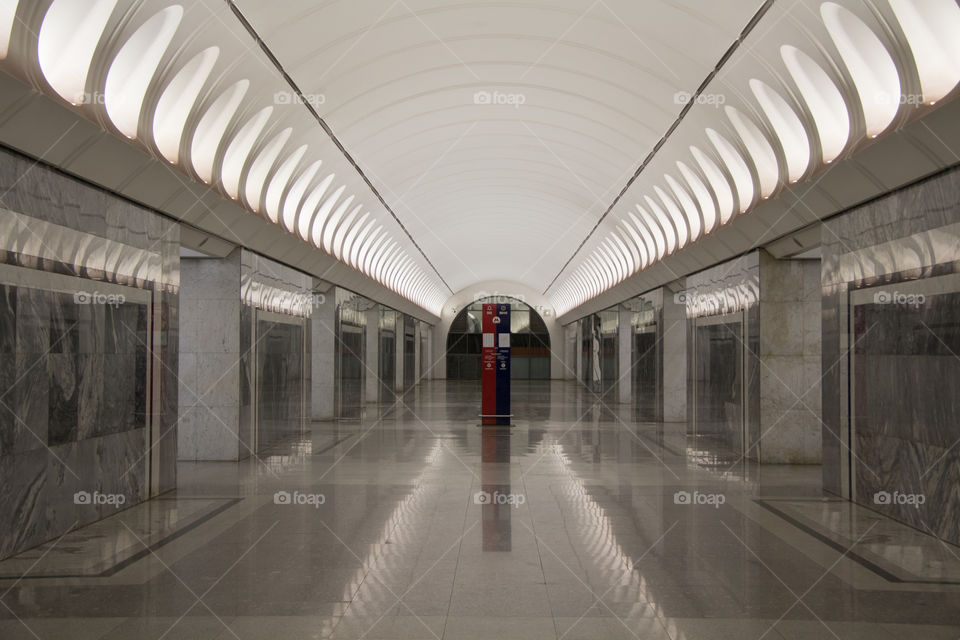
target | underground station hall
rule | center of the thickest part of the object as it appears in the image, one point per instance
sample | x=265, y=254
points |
x=479, y=319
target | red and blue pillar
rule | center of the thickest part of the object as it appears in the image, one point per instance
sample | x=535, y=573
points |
x=495, y=365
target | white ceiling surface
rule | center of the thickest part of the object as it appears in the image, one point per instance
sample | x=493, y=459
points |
x=498, y=191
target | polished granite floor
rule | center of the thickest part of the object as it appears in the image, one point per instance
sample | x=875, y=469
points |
x=414, y=523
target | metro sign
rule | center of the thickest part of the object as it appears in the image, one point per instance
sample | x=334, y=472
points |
x=495, y=365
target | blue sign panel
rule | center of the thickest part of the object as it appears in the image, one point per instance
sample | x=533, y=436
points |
x=503, y=364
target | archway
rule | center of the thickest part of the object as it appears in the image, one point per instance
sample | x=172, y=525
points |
x=529, y=342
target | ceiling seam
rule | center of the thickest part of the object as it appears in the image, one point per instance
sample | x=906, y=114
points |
x=306, y=103
x=683, y=112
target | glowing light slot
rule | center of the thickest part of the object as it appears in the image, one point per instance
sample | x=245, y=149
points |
x=633, y=246
x=789, y=129
x=177, y=100
x=278, y=183
x=306, y=214
x=351, y=247
x=931, y=28
x=368, y=249
x=718, y=184
x=610, y=267
x=620, y=266
x=331, y=225
x=705, y=201
x=742, y=179
x=134, y=66
x=321, y=216
x=384, y=254
x=646, y=221
x=758, y=147
x=292, y=204
x=822, y=98
x=869, y=63
x=690, y=212
x=666, y=226
x=206, y=139
x=638, y=229
x=340, y=235
x=69, y=35
x=238, y=150
x=261, y=167
x=679, y=222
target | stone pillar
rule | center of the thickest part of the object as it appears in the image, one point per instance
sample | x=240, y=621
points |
x=674, y=358
x=401, y=346
x=625, y=359
x=322, y=348
x=417, y=355
x=790, y=350
x=209, y=369
x=429, y=370
x=371, y=373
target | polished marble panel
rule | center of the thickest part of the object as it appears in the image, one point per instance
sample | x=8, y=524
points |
x=889, y=353
x=87, y=281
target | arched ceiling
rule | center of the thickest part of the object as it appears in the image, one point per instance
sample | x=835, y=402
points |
x=583, y=148
x=499, y=132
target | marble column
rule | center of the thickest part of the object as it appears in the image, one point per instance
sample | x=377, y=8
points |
x=209, y=385
x=417, y=347
x=674, y=358
x=322, y=362
x=372, y=354
x=399, y=351
x=790, y=355
x=624, y=346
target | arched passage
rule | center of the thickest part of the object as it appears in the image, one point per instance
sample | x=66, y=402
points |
x=529, y=342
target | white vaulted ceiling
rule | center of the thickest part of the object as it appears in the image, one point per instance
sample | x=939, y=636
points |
x=583, y=148
x=498, y=191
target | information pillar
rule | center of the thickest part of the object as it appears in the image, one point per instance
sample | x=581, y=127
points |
x=495, y=365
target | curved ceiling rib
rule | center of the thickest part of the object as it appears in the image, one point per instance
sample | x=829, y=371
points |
x=864, y=96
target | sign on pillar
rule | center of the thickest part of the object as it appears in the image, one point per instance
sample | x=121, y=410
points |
x=495, y=365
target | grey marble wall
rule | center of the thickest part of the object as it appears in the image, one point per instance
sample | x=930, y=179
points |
x=87, y=410
x=891, y=335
